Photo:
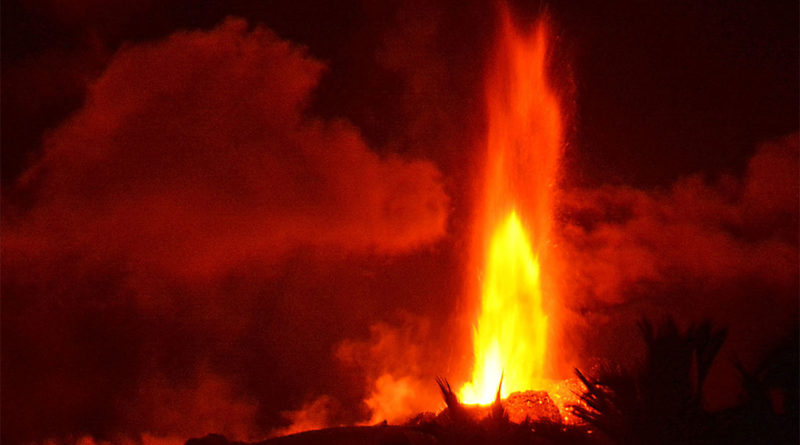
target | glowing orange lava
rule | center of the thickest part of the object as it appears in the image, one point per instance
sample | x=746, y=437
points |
x=515, y=218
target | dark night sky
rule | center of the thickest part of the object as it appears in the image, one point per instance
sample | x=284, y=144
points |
x=206, y=225
x=662, y=89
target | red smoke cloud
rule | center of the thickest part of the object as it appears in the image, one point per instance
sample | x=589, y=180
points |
x=399, y=362
x=726, y=250
x=192, y=156
x=192, y=171
x=710, y=233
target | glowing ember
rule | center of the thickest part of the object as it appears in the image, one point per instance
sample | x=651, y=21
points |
x=523, y=148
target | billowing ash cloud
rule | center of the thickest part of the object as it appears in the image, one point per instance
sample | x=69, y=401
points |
x=139, y=264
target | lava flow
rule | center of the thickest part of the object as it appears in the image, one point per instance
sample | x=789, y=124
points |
x=515, y=215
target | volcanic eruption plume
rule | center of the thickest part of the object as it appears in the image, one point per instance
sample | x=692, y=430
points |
x=512, y=244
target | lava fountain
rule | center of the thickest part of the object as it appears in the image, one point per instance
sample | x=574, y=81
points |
x=515, y=217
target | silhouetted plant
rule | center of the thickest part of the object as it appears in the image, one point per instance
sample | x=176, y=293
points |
x=661, y=403
x=768, y=412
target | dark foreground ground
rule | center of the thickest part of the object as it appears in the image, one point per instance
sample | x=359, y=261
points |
x=660, y=403
x=367, y=435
